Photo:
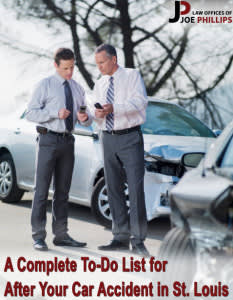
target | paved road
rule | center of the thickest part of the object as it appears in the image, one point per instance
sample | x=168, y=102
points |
x=15, y=242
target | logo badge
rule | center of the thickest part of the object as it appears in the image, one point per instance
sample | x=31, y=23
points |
x=186, y=7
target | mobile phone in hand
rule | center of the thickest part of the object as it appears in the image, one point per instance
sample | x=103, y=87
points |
x=98, y=105
x=82, y=109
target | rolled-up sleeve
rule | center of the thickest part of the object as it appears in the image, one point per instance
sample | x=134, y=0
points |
x=84, y=102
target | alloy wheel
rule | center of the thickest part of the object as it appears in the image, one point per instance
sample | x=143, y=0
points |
x=103, y=203
x=6, y=178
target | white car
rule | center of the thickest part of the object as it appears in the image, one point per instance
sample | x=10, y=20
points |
x=169, y=132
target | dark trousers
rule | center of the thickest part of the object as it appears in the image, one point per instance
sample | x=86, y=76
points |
x=55, y=156
x=125, y=154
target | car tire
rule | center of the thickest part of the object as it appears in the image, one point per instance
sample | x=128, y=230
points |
x=99, y=201
x=178, y=250
x=9, y=191
x=100, y=206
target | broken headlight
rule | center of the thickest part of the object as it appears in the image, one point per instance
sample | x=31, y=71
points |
x=162, y=166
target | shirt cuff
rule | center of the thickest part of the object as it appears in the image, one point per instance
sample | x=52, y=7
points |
x=84, y=123
x=88, y=121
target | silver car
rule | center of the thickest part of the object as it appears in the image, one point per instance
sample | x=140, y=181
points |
x=169, y=132
x=202, y=215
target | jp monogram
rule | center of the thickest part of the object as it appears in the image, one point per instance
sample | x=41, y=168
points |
x=186, y=7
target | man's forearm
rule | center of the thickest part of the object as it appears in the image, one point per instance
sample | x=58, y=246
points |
x=39, y=115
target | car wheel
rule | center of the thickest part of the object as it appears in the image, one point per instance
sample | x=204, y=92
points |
x=178, y=250
x=9, y=191
x=100, y=205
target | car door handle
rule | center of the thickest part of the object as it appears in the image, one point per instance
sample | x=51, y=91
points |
x=17, y=131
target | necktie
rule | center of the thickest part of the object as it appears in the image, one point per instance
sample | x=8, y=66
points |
x=69, y=106
x=110, y=99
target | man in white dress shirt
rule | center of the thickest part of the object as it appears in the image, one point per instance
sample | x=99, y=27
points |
x=121, y=93
x=55, y=107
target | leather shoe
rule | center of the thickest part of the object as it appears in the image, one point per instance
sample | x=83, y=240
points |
x=68, y=241
x=140, y=249
x=40, y=245
x=115, y=245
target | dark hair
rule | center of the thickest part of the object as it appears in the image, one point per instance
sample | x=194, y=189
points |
x=63, y=53
x=110, y=50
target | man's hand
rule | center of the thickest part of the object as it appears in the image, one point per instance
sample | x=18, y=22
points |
x=63, y=113
x=100, y=113
x=82, y=117
x=108, y=108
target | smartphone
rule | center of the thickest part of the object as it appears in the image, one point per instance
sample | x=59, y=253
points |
x=98, y=105
x=82, y=109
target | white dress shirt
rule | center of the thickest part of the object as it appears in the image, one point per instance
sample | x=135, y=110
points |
x=130, y=99
x=49, y=97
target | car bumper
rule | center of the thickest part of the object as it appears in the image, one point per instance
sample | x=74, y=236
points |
x=157, y=188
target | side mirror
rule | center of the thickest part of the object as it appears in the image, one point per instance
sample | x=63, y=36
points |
x=192, y=160
x=85, y=131
x=217, y=132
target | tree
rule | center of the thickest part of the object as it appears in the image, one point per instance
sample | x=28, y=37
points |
x=164, y=53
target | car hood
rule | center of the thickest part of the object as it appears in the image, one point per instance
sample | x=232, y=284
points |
x=173, y=147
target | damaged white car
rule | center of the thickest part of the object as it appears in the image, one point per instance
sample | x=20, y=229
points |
x=169, y=132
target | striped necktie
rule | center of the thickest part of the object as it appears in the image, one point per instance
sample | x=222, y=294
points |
x=110, y=99
x=69, y=106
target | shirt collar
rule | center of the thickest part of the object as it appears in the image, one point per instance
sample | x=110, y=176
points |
x=115, y=74
x=59, y=78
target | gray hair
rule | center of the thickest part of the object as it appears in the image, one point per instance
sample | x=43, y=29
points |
x=110, y=50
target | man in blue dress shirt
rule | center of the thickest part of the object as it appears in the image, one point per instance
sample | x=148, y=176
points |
x=55, y=106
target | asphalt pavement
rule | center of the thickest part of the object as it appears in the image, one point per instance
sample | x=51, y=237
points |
x=18, y=258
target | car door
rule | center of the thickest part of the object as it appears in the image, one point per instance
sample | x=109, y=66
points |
x=87, y=160
x=24, y=151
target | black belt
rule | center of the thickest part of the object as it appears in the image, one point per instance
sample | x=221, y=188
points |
x=123, y=131
x=60, y=133
x=43, y=130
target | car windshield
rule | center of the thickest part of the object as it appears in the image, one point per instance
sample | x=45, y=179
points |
x=227, y=160
x=169, y=119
